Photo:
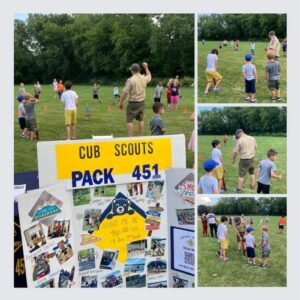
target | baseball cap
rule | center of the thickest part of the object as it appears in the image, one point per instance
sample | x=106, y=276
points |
x=249, y=229
x=20, y=98
x=248, y=57
x=209, y=165
x=135, y=67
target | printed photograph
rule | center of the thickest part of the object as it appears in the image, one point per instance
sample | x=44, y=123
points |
x=157, y=248
x=242, y=58
x=185, y=216
x=104, y=191
x=180, y=282
x=111, y=280
x=158, y=284
x=134, y=265
x=154, y=190
x=156, y=267
x=63, y=251
x=86, y=259
x=109, y=259
x=35, y=237
x=81, y=196
x=135, y=189
x=242, y=150
x=91, y=219
x=242, y=242
x=41, y=266
x=136, y=281
x=89, y=281
x=137, y=248
x=66, y=278
x=59, y=228
x=47, y=284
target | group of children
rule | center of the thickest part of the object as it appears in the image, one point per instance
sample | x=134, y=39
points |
x=213, y=181
x=248, y=243
x=272, y=75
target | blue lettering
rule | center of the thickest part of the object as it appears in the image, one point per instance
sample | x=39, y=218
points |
x=76, y=176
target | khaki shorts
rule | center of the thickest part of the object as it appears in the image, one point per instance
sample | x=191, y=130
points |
x=31, y=125
x=246, y=165
x=224, y=244
x=213, y=75
x=218, y=172
x=135, y=110
x=70, y=117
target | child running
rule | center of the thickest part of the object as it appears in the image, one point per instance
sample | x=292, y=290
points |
x=267, y=171
x=281, y=223
x=212, y=75
x=158, y=91
x=95, y=90
x=250, y=76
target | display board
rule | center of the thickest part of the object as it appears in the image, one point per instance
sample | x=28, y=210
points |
x=110, y=234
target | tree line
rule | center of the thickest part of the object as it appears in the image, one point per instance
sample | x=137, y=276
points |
x=254, y=120
x=93, y=47
x=273, y=206
x=241, y=26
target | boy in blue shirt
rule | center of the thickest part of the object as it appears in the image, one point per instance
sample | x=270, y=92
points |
x=266, y=171
x=208, y=184
x=250, y=76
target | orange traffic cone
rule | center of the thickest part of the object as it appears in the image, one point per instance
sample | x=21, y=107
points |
x=46, y=108
x=185, y=110
x=109, y=108
x=17, y=112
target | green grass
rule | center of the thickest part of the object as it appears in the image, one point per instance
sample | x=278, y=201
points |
x=51, y=123
x=81, y=197
x=230, y=67
x=235, y=272
x=231, y=174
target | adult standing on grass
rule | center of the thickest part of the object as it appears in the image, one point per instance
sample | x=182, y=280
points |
x=69, y=98
x=212, y=222
x=245, y=148
x=135, y=91
x=274, y=45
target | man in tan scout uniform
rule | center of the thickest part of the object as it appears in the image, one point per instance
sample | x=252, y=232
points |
x=134, y=90
x=245, y=147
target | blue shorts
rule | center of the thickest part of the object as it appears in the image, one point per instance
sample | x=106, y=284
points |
x=250, y=252
x=250, y=86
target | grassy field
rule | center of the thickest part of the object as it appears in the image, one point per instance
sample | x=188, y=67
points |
x=235, y=272
x=50, y=120
x=230, y=67
x=231, y=171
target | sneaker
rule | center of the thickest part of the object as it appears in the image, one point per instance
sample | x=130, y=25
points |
x=253, y=101
x=247, y=99
x=253, y=265
x=225, y=258
x=217, y=90
x=278, y=99
x=237, y=190
x=273, y=99
x=205, y=94
x=264, y=267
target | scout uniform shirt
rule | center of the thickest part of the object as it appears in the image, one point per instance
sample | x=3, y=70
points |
x=135, y=87
x=246, y=146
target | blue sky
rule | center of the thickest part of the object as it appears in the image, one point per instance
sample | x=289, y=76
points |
x=21, y=16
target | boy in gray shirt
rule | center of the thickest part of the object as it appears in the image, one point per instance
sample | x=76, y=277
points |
x=272, y=76
x=31, y=117
x=265, y=247
x=208, y=184
x=157, y=125
x=266, y=171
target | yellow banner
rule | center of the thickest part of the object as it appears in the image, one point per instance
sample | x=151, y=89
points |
x=115, y=157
